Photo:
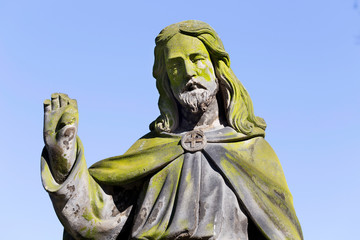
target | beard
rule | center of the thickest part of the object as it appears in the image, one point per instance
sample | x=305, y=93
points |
x=197, y=100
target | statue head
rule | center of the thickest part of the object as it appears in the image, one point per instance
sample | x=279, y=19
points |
x=217, y=76
x=191, y=74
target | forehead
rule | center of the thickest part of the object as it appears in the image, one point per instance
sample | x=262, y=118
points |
x=182, y=46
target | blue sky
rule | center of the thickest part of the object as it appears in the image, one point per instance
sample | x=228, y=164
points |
x=299, y=60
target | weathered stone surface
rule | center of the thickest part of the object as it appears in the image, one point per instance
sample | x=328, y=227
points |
x=204, y=171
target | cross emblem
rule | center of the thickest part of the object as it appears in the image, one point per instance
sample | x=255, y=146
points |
x=193, y=141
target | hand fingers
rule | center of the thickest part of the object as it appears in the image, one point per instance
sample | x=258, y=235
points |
x=55, y=101
x=47, y=106
x=64, y=99
x=59, y=100
x=74, y=103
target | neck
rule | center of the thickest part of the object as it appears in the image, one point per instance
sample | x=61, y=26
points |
x=203, y=119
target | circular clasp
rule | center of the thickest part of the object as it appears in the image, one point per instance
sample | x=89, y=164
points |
x=193, y=141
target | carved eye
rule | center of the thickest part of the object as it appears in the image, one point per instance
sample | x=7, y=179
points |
x=197, y=59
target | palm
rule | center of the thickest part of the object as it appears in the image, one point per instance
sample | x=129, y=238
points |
x=59, y=112
x=60, y=130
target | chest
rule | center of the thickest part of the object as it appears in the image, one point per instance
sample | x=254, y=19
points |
x=189, y=199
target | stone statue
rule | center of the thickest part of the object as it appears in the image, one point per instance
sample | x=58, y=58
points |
x=203, y=172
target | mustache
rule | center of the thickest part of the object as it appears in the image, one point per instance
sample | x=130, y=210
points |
x=192, y=85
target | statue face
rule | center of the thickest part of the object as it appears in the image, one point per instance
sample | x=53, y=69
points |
x=190, y=71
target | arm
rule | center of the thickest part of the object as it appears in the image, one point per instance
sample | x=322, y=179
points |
x=83, y=207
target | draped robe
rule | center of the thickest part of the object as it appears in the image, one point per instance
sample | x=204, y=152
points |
x=157, y=190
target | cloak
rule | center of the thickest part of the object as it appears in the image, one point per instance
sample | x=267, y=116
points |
x=247, y=163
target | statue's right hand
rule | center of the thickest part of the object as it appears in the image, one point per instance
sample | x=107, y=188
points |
x=60, y=129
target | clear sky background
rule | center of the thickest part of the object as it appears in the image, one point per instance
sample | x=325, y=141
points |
x=299, y=60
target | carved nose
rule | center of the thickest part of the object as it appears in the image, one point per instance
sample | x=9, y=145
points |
x=189, y=70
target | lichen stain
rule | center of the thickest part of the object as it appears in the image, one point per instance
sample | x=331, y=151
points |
x=155, y=212
x=71, y=188
x=76, y=209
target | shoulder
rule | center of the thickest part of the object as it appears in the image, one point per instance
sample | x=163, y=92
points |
x=153, y=140
x=267, y=162
x=257, y=154
x=262, y=149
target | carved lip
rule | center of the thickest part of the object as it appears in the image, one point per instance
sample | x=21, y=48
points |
x=191, y=85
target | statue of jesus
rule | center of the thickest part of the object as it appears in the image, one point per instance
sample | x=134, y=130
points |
x=204, y=171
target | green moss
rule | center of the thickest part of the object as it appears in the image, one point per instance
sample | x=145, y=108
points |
x=210, y=226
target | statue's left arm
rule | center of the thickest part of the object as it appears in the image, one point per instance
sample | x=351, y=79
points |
x=255, y=173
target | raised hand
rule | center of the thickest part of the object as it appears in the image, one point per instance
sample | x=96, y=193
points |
x=60, y=129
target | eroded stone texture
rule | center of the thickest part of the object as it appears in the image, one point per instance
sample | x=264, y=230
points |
x=203, y=172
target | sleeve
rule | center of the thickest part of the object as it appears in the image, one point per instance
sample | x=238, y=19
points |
x=85, y=210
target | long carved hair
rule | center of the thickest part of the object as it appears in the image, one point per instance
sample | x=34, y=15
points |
x=237, y=103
